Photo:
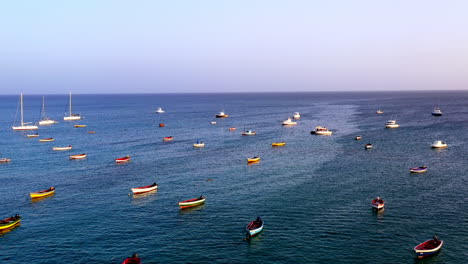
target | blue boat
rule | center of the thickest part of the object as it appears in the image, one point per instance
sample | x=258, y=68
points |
x=429, y=247
x=254, y=227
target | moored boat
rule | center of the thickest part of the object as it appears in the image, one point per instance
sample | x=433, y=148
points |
x=249, y=133
x=232, y=129
x=71, y=116
x=69, y=147
x=46, y=139
x=391, y=124
x=78, y=156
x=278, y=144
x=168, y=138
x=420, y=169
x=379, y=112
x=429, y=247
x=161, y=125
x=123, y=159
x=45, y=120
x=253, y=159
x=135, y=259
x=199, y=144
x=296, y=115
x=289, y=122
x=4, y=160
x=222, y=115
x=10, y=222
x=43, y=193
x=32, y=135
x=254, y=227
x=23, y=125
x=368, y=146
x=192, y=202
x=79, y=125
x=437, y=111
x=358, y=138
x=145, y=189
x=377, y=203
x=439, y=144
x=160, y=110
x=91, y=132
x=213, y=122
x=323, y=131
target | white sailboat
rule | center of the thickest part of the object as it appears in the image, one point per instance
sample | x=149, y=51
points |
x=24, y=126
x=71, y=116
x=45, y=120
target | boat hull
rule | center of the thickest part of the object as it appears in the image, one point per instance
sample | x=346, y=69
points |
x=46, y=140
x=191, y=203
x=252, y=230
x=421, y=252
x=9, y=223
x=4, y=160
x=71, y=118
x=278, y=144
x=418, y=170
x=144, y=189
x=25, y=128
x=61, y=148
x=41, y=194
x=47, y=122
x=81, y=156
x=122, y=160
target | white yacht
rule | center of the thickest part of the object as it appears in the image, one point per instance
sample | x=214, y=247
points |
x=296, y=115
x=319, y=130
x=160, y=110
x=71, y=116
x=439, y=144
x=45, y=120
x=437, y=111
x=23, y=125
x=249, y=133
x=391, y=124
x=379, y=112
x=289, y=122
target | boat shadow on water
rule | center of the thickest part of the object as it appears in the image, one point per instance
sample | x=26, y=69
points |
x=191, y=209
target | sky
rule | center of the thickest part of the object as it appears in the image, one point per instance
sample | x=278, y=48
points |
x=113, y=46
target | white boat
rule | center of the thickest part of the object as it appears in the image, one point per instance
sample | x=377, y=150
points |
x=222, y=115
x=379, y=112
x=45, y=120
x=62, y=148
x=145, y=189
x=160, y=110
x=439, y=144
x=437, y=111
x=213, y=122
x=319, y=130
x=71, y=116
x=296, y=115
x=199, y=144
x=24, y=126
x=289, y=122
x=249, y=133
x=391, y=124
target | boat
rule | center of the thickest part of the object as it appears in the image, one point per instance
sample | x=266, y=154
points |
x=10, y=222
x=161, y=125
x=43, y=193
x=132, y=260
x=78, y=156
x=391, y=124
x=71, y=116
x=168, y=138
x=32, y=135
x=222, y=115
x=439, y=144
x=323, y=131
x=4, y=160
x=420, y=169
x=24, y=126
x=296, y=115
x=379, y=112
x=45, y=120
x=377, y=203
x=358, y=138
x=437, y=111
x=232, y=129
x=254, y=227
x=368, y=146
x=69, y=147
x=278, y=144
x=192, y=202
x=253, y=159
x=91, y=132
x=249, y=133
x=289, y=122
x=160, y=110
x=429, y=247
x=199, y=144
x=46, y=139
x=213, y=122
x=145, y=189
x=79, y=125
x=123, y=159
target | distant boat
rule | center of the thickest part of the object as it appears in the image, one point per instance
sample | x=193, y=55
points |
x=249, y=133
x=323, y=131
x=32, y=135
x=123, y=159
x=161, y=125
x=79, y=125
x=133, y=260
x=391, y=124
x=199, y=144
x=145, y=189
x=377, y=203
x=91, y=132
x=192, y=202
x=69, y=147
x=23, y=125
x=253, y=159
x=439, y=144
x=420, y=169
x=43, y=193
x=289, y=122
x=437, y=111
x=165, y=139
x=46, y=139
x=232, y=129
x=296, y=115
x=368, y=146
x=45, y=120
x=10, y=222
x=213, y=122
x=278, y=144
x=254, y=227
x=358, y=138
x=222, y=115
x=379, y=112
x=160, y=110
x=4, y=160
x=71, y=116
x=78, y=156
x=429, y=247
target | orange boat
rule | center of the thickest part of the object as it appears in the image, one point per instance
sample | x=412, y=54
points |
x=4, y=160
x=168, y=138
x=161, y=125
x=232, y=129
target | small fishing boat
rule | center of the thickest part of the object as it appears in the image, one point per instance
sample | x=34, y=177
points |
x=232, y=129
x=222, y=115
x=43, y=193
x=420, y=169
x=133, y=260
x=379, y=112
x=253, y=159
x=254, y=227
x=437, y=111
x=249, y=133
x=91, y=132
x=296, y=115
x=79, y=125
x=439, y=144
x=160, y=110
x=377, y=203
x=358, y=138
x=391, y=124
x=199, y=144
x=192, y=202
x=69, y=147
x=161, y=125
x=289, y=122
x=78, y=156
x=123, y=159
x=46, y=139
x=165, y=139
x=368, y=146
x=429, y=247
x=323, y=131
x=213, y=122
x=4, y=160
x=32, y=135
x=10, y=222
x=145, y=189
x=278, y=144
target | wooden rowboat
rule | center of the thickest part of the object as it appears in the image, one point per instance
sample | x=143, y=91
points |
x=429, y=247
x=145, y=189
x=10, y=222
x=69, y=147
x=232, y=129
x=4, y=160
x=79, y=156
x=165, y=139
x=418, y=169
x=368, y=146
x=377, y=203
x=123, y=159
x=254, y=227
x=253, y=160
x=46, y=139
x=278, y=144
x=80, y=125
x=133, y=260
x=32, y=136
x=192, y=202
x=43, y=193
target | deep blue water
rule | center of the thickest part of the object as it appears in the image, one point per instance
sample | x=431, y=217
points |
x=314, y=194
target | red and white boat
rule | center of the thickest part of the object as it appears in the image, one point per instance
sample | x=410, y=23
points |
x=46, y=140
x=378, y=203
x=123, y=159
x=429, y=247
x=166, y=139
x=145, y=189
x=79, y=156
x=192, y=202
x=4, y=160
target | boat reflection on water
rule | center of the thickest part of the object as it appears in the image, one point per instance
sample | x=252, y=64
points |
x=4, y=231
x=144, y=198
x=192, y=209
x=38, y=199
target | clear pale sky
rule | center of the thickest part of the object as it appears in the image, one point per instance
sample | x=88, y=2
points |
x=112, y=46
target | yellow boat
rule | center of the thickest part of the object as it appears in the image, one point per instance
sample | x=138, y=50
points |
x=9, y=222
x=253, y=160
x=278, y=144
x=43, y=193
x=80, y=125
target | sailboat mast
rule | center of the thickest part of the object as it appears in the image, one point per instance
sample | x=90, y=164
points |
x=70, y=105
x=21, y=102
x=43, y=108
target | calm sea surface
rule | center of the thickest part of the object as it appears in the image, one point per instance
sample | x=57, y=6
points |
x=314, y=194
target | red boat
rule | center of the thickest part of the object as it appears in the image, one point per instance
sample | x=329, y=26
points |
x=429, y=247
x=378, y=203
x=133, y=260
x=4, y=160
x=145, y=189
x=122, y=160
x=161, y=125
x=168, y=139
